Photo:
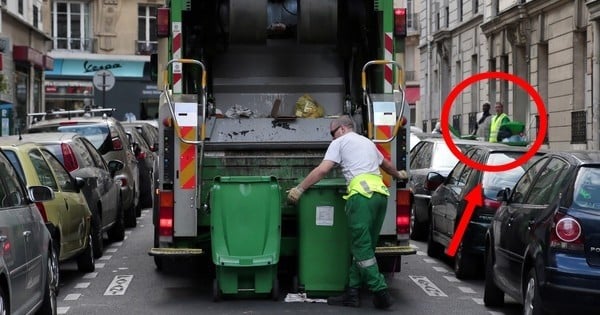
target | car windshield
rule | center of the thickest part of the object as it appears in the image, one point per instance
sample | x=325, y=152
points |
x=587, y=188
x=56, y=149
x=443, y=158
x=96, y=133
x=493, y=182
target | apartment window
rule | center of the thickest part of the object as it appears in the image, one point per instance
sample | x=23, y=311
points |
x=4, y=2
x=146, y=42
x=456, y=123
x=447, y=17
x=460, y=10
x=492, y=83
x=579, y=71
x=578, y=127
x=35, y=16
x=70, y=25
x=437, y=21
x=410, y=15
x=20, y=7
x=475, y=6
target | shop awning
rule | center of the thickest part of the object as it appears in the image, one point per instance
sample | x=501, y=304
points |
x=413, y=94
x=88, y=67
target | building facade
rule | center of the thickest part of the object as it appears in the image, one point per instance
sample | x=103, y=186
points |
x=551, y=44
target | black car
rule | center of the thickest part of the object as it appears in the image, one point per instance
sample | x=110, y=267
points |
x=429, y=155
x=448, y=203
x=543, y=246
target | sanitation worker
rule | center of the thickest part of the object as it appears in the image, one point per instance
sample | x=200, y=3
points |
x=366, y=202
x=497, y=121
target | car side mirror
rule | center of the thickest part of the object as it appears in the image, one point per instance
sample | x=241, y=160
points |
x=503, y=195
x=40, y=193
x=115, y=166
x=79, y=183
x=154, y=147
x=434, y=180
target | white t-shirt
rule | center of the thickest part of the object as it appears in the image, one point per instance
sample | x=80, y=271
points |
x=355, y=154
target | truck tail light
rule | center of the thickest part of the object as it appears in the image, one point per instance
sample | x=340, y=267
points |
x=165, y=214
x=162, y=22
x=70, y=161
x=42, y=210
x=402, y=213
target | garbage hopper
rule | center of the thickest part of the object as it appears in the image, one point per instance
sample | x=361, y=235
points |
x=245, y=225
x=323, y=240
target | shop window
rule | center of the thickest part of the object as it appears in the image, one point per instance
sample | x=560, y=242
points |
x=71, y=25
x=146, y=43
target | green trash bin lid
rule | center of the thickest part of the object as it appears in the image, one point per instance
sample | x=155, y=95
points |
x=515, y=127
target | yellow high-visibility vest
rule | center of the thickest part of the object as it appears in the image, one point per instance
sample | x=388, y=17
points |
x=366, y=185
x=495, y=126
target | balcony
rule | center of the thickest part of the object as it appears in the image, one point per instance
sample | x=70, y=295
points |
x=145, y=47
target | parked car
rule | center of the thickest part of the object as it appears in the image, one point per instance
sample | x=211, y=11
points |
x=109, y=137
x=28, y=263
x=101, y=190
x=543, y=246
x=429, y=155
x=146, y=130
x=68, y=216
x=448, y=203
x=147, y=164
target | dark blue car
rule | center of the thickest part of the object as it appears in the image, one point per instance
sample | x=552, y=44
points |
x=543, y=246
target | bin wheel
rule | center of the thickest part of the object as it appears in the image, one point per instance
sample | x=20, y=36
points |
x=295, y=286
x=275, y=290
x=216, y=291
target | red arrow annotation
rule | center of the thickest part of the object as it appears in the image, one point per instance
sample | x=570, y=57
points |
x=474, y=198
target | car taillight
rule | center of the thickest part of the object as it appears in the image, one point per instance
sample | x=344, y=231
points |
x=165, y=215
x=42, y=210
x=566, y=233
x=117, y=144
x=141, y=155
x=402, y=213
x=491, y=203
x=70, y=161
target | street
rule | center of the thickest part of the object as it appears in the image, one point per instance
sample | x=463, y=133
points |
x=126, y=282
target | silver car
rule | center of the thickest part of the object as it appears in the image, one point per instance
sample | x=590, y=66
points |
x=28, y=263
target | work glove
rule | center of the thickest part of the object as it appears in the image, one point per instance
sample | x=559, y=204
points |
x=402, y=174
x=294, y=194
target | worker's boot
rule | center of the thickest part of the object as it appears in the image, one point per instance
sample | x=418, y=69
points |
x=382, y=299
x=350, y=298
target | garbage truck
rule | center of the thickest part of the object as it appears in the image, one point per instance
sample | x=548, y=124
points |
x=249, y=88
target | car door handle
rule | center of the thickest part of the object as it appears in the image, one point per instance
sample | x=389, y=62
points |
x=3, y=238
x=26, y=234
x=66, y=204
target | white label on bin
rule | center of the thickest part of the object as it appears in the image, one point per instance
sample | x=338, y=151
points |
x=325, y=215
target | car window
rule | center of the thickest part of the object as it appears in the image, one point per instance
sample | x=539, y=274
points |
x=62, y=176
x=94, y=154
x=423, y=159
x=413, y=156
x=14, y=160
x=455, y=178
x=98, y=134
x=11, y=191
x=82, y=151
x=493, y=182
x=545, y=188
x=443, y=158
x=587, y=188
x=522, y=186
x=42, y=170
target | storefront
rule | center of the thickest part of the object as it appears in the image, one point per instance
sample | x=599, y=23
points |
x=70, y=85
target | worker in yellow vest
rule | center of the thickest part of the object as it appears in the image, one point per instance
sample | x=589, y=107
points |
x=497, y=120
x=366, y=202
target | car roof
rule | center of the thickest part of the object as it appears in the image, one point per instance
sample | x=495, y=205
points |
x=39, y=137
x=579, y=157
x=82, y=119
x=500, y=147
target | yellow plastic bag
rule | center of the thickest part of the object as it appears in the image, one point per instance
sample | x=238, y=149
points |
x=307, y=107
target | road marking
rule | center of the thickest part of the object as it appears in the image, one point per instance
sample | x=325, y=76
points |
x=62, y=309
x=496, y=313
x=451, y=279
x=111, y=250
x=420, y=253
x=439, y=269
x=119, y=285
x=141, y=225
x=117, y=244
x=105, y=257
x=99, y=265
x=478, y=301
x=467, y=290
x=429, y=260
x=427, y=286
x=82, y=285
x=124, y=238
x=123, y=268
x=72, y=297
x=90, y=275
x=127, y=232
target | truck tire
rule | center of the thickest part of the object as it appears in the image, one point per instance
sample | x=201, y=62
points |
x=492, y=295
x=130, y=217
x=97, y=241
x=117, y=231
x=418, y=230
x=49, y=305
x=85, y=260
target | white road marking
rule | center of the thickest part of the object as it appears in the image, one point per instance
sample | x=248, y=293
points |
x=90, y=275
x=427, y=286
x=105, y=257
x=467, y=290
x=451, y=279
x=72, y=297
x=99, y=265
x=123, y=268
x=496, y=313
x=478, y=301
x=124, y=238
x=82, y=285
x=119, y=285
x=141, y=225
x=127, y=232
x=439, y=269
x=62, y=309
x=429, y=260
x=117, y=244
x=420, y=253
x=111, y=250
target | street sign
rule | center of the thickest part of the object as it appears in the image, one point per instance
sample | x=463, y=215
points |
x=103, y=80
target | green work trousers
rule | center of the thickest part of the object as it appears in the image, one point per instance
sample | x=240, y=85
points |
x=365, y=218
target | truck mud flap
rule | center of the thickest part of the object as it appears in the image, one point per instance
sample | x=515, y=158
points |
x=394, y=251
x=176, y=252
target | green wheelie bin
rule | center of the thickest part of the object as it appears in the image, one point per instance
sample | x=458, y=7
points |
x=323, y=239
x=245, y=221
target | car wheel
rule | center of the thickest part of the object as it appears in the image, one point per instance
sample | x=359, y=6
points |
x=97, y=241
x=51, y=287
x=532, y=301
x=418, y=230
x=492, y=295
x=4, y=306
x=433, y=248
x=117, y=231
x=85, y=261
x=463, y=263
x=130, y=218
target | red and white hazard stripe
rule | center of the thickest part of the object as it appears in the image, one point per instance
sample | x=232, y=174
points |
x=177, y=67
x=388, y=55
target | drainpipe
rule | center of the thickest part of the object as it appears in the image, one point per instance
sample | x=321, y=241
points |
x=428, y=38
x=595, y=80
